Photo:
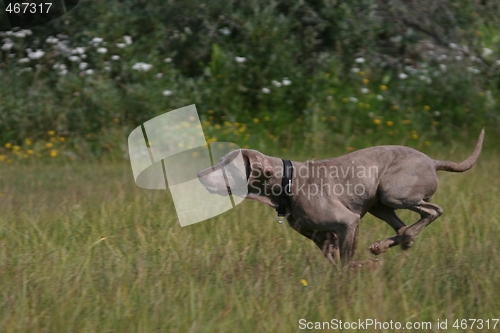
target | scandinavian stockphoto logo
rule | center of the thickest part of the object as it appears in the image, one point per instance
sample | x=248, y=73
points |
x=27, y=14
x=170, y=150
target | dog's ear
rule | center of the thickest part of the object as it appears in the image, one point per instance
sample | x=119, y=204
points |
x=256, y=164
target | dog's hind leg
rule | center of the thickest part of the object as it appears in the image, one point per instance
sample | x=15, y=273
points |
x=387, y=214
x=428, y=213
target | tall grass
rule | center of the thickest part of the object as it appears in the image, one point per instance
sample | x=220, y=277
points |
x=82, y=249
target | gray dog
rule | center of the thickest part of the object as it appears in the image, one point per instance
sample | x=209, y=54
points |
x=328, y=198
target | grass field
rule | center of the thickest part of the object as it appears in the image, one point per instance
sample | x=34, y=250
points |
x=82, y=249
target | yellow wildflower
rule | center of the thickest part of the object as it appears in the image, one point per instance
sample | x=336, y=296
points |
x=427, y=143
x=8, y=145
x=210, y=111
x=406, y=122
x=383, y=87
x=389, y=123
x=345, y=99
x=366, y=81
x=361, y=73
x=323, y=118
x=116, y=120
x=49, y=145
x=16, y=148
x=414, y=136
x=333, y=118
x=62, y=139
x=427, y=107
x=376, y=121
x=51, y=133
x=217, y=127
x=30, y=151
x=53, y=153
x=266, y=118
x=256, y=120
x=350, y=148
x=304, y=282
x=28, y=142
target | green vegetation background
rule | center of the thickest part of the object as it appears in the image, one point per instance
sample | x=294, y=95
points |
x=358, y=73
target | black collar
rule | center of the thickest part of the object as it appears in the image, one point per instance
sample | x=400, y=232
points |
x=286, y=187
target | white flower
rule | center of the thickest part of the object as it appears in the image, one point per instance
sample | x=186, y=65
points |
x=27, y=69
x=365, y=90
x=458, y=58
x=78, y=50
x=452, y=45
x=474, y=58
x=7, y=46
x=23, y=60
x=107, y=68
x=276, y=83
x=83, y=56
x=63, y=72
x=437, y=113
x=159, y=75
x=19, y=34
x=403, y=76
x=360, y=60
x=102, y=50
x=59, y=66
x=127, y=39
x=355, y=70
x=120, y=45
x=12, y=55
x=167, y=59
x=142, y=67
x=497, y=62
x=442, y=57
x=89, y=71
x=353, y=99
x=225, y=31
x=115, y=57
x=473, y=70
x=96, y=40
x=286, y=81
x=442, y=67
x=422, y=77
x=167, y=93
x=36, y=55
x=487, y=52
x=380, y=97
x=74, y=58
x=266, y=90
x=429, y=80
x=83, y=65
x=240, y=59
x=52, y=40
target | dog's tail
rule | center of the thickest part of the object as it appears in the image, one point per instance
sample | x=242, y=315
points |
x=465, y=165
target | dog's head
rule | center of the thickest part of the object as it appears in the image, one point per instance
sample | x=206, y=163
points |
x=238, y=172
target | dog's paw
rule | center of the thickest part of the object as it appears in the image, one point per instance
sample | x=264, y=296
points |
x=371, y=263
x=380, y=246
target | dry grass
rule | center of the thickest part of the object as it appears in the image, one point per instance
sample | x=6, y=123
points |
x=82, y=249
